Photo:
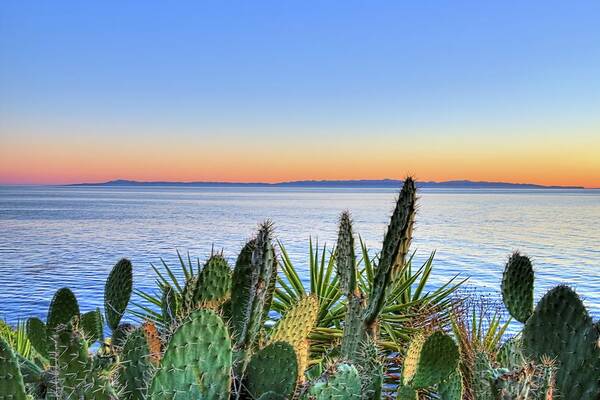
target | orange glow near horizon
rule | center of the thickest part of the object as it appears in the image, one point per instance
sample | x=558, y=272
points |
x=60, y=161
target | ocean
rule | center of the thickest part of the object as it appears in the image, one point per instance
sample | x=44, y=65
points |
x=53, y=237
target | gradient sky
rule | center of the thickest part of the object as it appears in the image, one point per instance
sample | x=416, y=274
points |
x=273, y=91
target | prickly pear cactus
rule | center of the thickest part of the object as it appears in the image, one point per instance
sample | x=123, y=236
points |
x=561, y=328
x=274, y=368
x=517, y=287
x=343, y=382
x=92, y=323
x=197, y=362
x=117, y=292
x=63, y=308
x=483, y=387
x=214, y=283
x=272, y=396
x=295, y=326
x=120, y=335
x=38, y=336
x=137, y=367
x=406, y=393
x=11, y=381
x=71, y=361
x=452, y=387
x=510, y=354
x=429, y=360
x=170, y=305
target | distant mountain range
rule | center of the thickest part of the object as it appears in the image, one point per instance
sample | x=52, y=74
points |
x=360, y=183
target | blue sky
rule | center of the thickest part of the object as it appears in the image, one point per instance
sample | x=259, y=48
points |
x=236, y=73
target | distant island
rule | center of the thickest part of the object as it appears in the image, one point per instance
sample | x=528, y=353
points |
x=359, y=183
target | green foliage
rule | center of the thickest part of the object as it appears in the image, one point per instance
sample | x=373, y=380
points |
x=11, y=380
x=197, y=362
x=273, y=368
x=214, y=282
x=517, y=287
x=117, y=292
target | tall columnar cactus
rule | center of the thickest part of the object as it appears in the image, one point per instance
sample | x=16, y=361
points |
x=197, y=362
x=294, y=328
x=429, y=360
x=117, y=292
x=361, y=317
x=342, y=382
x=274, y=368
x=517, y=287
x=253, y=271
x=11, y=380
x=561, y=328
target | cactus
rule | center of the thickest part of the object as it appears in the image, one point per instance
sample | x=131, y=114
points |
x=38, y=335
x=451, y=388
x=361, y=318
x=92, y=325
x=253, y=271
x=170, y=304
x=370, y=368
x=197, y=362
x=406, y=393
x=482, y=379
x=11, y=380
x=510, y=354
x=137, y=366
x=117, y=292
x=271, y=396
x=561, y=328
x=517, y=287
x=214, y=283
x=63, y=308
x=341, y=383
x=71, y=361
x=294, y=328
x=274, y=368
x=120, y=335
x=429, y=360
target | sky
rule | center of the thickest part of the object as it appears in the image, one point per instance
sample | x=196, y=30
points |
x=275, y=91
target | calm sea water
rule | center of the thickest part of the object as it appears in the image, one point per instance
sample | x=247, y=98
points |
x=70, y=236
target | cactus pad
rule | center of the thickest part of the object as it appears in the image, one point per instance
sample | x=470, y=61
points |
x=117, y=292
x=72, y=361
x=295, y=326
x=510, y=354
x=92, y=325
x=197, y=361
x=120, y=335
x=11, y=381
x=429, y=360
x=274, y=368
x=560, y=328
x=342, y=383
x=517, y=287
x=452, y=387
x=63, y=308
x=137, y=368
x=406, y=393
x=214, y=286
x=38, y=336
x=271, y=396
